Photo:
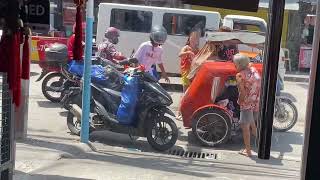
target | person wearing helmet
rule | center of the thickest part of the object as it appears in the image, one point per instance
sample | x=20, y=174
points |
x=107, y=49
x=72, y=39
x=150, y=52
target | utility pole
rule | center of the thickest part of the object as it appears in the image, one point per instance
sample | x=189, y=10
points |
x=86, y=94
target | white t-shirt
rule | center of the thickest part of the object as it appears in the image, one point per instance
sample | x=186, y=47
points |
x=149, y=55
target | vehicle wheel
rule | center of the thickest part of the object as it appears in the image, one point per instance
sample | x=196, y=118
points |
x=285, y=115
x=52, y=87
x=162, y=133
x=74, y=124
x=211, y=127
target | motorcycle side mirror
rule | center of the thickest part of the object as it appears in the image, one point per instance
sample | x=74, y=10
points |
x=132, y=53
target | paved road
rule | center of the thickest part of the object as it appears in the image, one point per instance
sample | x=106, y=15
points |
x=287, y=144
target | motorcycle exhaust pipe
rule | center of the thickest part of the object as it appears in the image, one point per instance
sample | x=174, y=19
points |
x=76, y=111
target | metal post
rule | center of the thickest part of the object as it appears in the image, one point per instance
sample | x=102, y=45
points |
x=311, y=146
x=276, y=12
x=86, y=75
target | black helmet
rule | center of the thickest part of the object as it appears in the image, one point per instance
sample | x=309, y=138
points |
x=158, y=34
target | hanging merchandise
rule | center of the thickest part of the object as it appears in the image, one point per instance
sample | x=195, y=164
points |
x=10, y=62
x=78, y=46
x=26, y=58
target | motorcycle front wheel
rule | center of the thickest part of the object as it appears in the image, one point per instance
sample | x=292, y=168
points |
x=52, y=86
x=285, y=115
x=162, y=133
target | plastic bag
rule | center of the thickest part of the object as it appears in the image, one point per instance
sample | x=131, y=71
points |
x=97, y=71
x=76, y=67
x=129, y=99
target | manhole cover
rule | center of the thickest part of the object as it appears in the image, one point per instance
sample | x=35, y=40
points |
x=192, y=154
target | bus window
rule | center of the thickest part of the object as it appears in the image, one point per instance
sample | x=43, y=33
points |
x=131, y=20
x=181, y=24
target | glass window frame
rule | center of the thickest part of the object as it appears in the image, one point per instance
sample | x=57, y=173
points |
x=183, y=14
x=113, y=24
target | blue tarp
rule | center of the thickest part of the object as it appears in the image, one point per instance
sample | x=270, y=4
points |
x=129, y=99
x=97, y=71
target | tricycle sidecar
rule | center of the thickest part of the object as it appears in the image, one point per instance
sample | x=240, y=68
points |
x=211, y=122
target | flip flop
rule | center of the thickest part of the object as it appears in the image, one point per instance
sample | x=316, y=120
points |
x=244, y=153
x=179, y=118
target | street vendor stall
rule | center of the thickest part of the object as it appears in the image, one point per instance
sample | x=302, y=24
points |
x=306, y=47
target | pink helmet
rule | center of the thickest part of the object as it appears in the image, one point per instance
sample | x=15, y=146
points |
x=74, y=27
x=111, y=33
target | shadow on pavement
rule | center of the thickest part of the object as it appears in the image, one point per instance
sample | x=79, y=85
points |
x=48, y=104
x=289, y=96
x=305, y=86
x=173, y=164
x=63, y=113
x=18, y=175
x=34, y=74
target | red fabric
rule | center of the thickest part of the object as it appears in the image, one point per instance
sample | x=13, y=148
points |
x=10, y=54
x=26, y=59
x=70, y=47
x=78, y=47
x=15, y=73
x=10, y=63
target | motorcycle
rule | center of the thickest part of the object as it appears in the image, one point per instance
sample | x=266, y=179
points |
x=285, y=112
x=152, y=117
x=52, y=84
x=56, y=79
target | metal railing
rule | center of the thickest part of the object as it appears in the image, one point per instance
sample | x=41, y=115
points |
x=6, y=131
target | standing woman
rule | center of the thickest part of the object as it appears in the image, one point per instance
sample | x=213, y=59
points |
x=249, y=85
x=186, y=56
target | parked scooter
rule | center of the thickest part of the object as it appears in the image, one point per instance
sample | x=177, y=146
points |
x=152, y=117
x=52, y=84
x=285, y=112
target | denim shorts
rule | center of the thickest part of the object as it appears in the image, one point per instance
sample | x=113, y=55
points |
x=248, y=116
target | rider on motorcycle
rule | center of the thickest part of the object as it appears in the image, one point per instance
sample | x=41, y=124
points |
x=150, y=52
x=107, y=50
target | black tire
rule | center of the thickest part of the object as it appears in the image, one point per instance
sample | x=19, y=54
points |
x=222, y=127
x=288, y=122
x=45, y=85
x=152, y=140
x=72, y=126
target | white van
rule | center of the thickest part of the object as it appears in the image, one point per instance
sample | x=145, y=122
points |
x=135, y=23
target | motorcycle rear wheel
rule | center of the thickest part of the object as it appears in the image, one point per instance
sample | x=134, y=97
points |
x=45, y=87
x=74, y=124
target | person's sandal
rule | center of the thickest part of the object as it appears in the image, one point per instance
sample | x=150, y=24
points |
x=243, y=152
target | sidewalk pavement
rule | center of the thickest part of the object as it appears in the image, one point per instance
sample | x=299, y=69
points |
x=42, y=159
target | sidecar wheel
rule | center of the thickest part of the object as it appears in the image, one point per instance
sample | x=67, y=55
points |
x=211, y=127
